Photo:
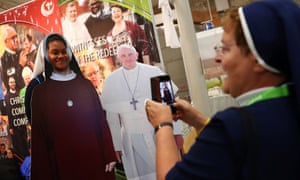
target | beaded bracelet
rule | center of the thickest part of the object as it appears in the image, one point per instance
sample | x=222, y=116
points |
x=162, y=125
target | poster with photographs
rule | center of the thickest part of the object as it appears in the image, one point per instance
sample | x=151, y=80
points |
x=96, y=28
x=93, y=28
x=21, y=30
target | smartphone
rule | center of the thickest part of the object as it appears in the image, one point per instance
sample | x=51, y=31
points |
x=162, y=90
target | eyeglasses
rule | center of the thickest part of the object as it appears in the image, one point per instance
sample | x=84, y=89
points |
x=219, y=48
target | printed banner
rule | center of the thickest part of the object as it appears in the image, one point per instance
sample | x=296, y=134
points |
x=21, y=30
x=93, y=28
x=96, y=28
x=41, y=15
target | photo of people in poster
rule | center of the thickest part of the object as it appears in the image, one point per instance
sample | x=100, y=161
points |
x=21, y=30
x=95, y=29
x=17, y=62
x=18, y=50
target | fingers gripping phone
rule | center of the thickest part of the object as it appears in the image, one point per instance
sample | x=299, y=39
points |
x=162, y=90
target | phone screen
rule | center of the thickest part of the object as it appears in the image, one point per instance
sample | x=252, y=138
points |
x=162, y=90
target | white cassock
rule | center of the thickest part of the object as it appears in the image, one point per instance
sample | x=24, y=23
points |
x=131, y=131
x=75, y=32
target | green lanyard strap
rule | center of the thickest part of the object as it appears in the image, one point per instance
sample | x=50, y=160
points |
x=276, y=92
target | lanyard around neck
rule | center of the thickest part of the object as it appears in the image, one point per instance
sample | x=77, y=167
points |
x=276, y=92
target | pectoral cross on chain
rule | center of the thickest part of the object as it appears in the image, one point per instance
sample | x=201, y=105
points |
x=133, y=102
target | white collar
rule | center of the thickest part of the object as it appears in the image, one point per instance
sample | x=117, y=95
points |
x=60, y=77
x=10, y=51
x=12, y=91
x=133, y=70
x=98, y=14
x=245, y=98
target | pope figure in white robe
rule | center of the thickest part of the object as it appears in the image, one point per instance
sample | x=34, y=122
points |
x=123, y=96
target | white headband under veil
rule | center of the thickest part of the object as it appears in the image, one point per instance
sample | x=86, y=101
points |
x=39, y=65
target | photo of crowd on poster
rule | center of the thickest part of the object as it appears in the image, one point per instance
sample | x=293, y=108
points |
x=96, y=28
x=93, y=28
x=19, y=45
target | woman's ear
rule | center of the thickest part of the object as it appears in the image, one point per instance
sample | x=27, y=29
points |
x=257, y=67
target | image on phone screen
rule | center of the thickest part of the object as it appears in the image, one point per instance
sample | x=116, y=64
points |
x=162, y=90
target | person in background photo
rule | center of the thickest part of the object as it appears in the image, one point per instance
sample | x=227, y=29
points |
x=127, y=32
x=3, y=152
x=11, y=62
x=29, y=51
x=261, y=138
x=27, y=75
x=98, y=23
x=70, y=135
x=3, y=129
x=74, y=31
x=17, y=119
x=9, y=167
x=94, y=71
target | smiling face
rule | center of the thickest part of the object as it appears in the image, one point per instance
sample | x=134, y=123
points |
x=27, y=45
x=71, y=12
x=95, y=6
x=92, y=73
x=58, y=56
x=127, y=57
x=236, y=59
x=11, y=40
x=12, y=83
x=116, y=14
x=237, y=65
